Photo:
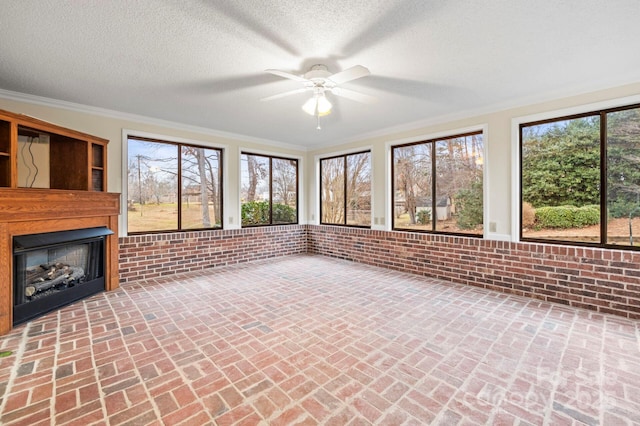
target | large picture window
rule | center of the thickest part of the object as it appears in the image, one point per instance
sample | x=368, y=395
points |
x=437, y=185
x=580, y=178
x=345, y=193
x=269, y=191
x=173, y=186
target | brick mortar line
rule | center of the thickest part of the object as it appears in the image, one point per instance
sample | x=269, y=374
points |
x=142, y=382
x=555, y=383
x=479, y=362
x=602, y=375
x=278, y=411
x=14, y=371
x=96, y=374
x=177, y=368
x=56, y=356
x=249, y=400
x=348, y=403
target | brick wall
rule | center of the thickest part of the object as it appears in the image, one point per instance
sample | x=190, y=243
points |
x=607, y=281
x=152, y=255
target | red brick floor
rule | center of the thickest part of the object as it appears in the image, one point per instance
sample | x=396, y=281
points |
x=312, y=340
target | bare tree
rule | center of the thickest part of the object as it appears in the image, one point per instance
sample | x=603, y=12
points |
x=213, y=169
x=332, y=187
x=200, y=168
x=350, y=173
x=359, y=189
x=204, y=193
x=412, y=168
x=257, y=171
x=284, y=174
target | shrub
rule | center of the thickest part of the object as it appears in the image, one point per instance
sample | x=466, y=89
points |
x=257, y=213
x=528, y=215
x=423, y=217
x=565, y=217
x=282, y=213
x=622, y=208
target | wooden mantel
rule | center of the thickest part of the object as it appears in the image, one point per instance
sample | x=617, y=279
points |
x=25, y=211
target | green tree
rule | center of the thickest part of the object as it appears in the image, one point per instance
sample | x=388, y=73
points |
x=561, y=163
x=623, y=163
x=469, y=204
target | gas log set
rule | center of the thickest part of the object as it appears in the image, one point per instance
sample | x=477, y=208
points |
x=44, y=279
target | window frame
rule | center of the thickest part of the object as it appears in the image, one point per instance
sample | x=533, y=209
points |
x=178, y=144
x=601, y=113
x=345, y=186
x=297, y=180
x=433, y=141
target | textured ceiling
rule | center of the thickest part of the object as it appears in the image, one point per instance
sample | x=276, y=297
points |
x=202, y=63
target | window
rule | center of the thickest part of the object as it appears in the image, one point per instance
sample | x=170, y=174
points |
x=580, y=178
x=442, y=176
x=269, y=190
x=173, y=186
x=346, y=190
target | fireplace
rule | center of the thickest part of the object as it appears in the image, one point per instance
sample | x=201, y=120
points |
x=55, y=269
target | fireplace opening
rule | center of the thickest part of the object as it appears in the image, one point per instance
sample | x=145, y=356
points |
x=55, y=269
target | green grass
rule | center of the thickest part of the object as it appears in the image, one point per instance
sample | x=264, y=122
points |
x=164, y=216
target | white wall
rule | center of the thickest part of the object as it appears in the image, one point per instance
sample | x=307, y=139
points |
x=500, y=202
x=498, y=140
x=114, y=126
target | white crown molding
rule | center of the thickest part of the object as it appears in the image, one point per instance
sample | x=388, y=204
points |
x=87, y=109
x=380, y=133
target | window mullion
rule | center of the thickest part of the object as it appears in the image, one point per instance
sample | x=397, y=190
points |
x=179, y=185
x=345, y=186
x=270, y=191
x=393, y=188
x=520, y=156
x=603, y=178
x=434, y=203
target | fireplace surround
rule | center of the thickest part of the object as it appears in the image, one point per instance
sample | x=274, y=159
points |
x=31, y=211
x=54, y=269
x=69, y=194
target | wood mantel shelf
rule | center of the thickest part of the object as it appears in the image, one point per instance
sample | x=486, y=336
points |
x=25, y=211
x=24, y=204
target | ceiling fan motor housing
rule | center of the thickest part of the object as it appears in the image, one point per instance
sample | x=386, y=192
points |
x=318, y=73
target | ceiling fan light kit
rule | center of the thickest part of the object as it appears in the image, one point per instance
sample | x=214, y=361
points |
x=319, y=80
x=318, y=105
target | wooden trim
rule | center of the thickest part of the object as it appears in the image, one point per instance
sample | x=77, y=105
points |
x=22, y=204
x=32, y=122
x=6, y=281
x=112, y=277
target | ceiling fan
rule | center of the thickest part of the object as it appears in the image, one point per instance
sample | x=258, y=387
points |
x=319, y=80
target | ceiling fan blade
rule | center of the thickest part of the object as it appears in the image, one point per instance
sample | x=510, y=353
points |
x=282, y=95
x=349, y=74
x=287, y=75
x=353, y=95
